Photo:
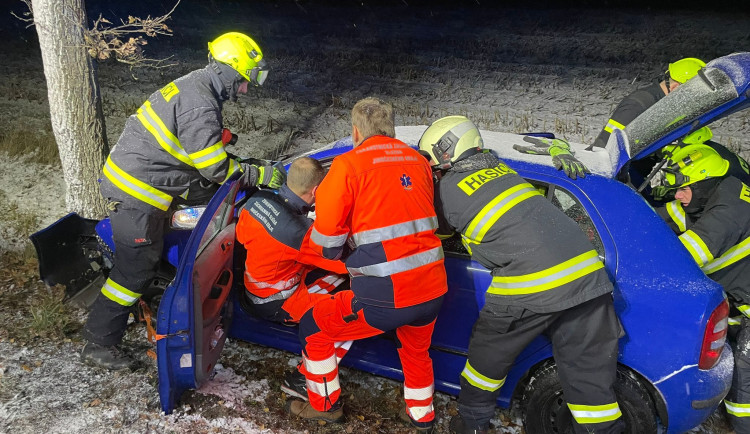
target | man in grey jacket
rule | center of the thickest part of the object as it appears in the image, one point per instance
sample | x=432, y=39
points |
x=171, y=150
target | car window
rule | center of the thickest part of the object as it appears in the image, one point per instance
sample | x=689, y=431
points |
x=563, y=200
x=221, y=218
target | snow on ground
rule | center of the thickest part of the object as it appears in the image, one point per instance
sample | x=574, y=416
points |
x=509, y=69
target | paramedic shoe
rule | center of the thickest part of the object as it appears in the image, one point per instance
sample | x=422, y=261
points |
x=294, y=385
x=422, y=427
x=457, y=426
x=304, y=410
x=106, y=357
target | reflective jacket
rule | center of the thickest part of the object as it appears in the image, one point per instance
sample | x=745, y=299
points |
x=275, y=230
x=628, y=109
x=719, y=238
x=540, y=259
x=172, y=145
x=380, y=196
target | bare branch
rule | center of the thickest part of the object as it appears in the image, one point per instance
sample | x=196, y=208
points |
x=28, y=16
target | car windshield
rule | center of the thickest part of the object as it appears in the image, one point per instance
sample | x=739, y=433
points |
x=710, y=89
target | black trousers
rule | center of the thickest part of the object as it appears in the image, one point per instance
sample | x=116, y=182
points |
x=139, y=241
x=584, y=344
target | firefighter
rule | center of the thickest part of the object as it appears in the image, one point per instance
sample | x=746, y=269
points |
x=283, y=277
x=377, y=201
x=171, y=150
x=711, y=214
x=547, y=279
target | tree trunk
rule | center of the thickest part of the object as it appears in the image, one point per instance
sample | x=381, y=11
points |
x=74, y=101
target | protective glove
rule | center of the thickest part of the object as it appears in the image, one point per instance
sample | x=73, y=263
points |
x=563, y=159
x=539, y=145
x=256, y=175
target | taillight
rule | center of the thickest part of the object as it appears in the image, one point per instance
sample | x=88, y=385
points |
x=714, y=336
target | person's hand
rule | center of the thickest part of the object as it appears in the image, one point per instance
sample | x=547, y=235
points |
x=563, y=159
x=270, y=176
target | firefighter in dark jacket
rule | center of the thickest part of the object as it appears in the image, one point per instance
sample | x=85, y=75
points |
x=170, y=151
x=284, y=277
x=711, y=214
x=547, y=279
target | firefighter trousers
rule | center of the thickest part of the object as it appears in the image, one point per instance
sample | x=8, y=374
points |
x=139, y=240
x=737, y=402
x=584, y=344
x=325, y=329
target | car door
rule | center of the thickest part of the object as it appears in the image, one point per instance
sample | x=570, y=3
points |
x=194, y=315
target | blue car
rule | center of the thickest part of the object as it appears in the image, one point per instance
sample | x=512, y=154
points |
x=674, y=364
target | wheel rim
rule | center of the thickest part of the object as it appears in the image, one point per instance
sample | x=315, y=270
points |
x=557, y=415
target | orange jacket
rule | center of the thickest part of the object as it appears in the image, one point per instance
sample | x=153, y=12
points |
x=276, y=237
x=380, y=195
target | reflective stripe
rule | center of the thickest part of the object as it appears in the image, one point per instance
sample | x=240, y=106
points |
x=697, y=248
x=733, y=321
x=395, y=231
x=282, y=295
x=595, y=413
x=739, y=251
x=738, y=410
x=161, y=133
x=320, y=389
x=480, y=381
x=333, y=280
x=674, y=209
x=321, y=367
x=418, y=413
x=419, y=394
x=342, y=348
x=119, y=294
x=553, y=277
x=135, y=187
x=389, y=268
x=280, y=285
x=744, y=309
x=613, y=125
x=491, y=212
x=233, y=168
x=209, y=156
x=328, y=240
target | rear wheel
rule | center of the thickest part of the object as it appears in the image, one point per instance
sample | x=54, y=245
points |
x=546, y=411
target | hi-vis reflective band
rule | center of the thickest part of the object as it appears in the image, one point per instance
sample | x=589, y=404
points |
x=471, y=183
x=675, y=211
x=418, y=412
x=734, y=254
x=119, y=294
x=209, y=156
x=480, y=381
x=613, y=125
x=136, y=188
x=395, y=231
x=281, y=295
x=321, y=367
x=745, y=309
x=737, y=410
x=161, y=133
x=280, y=285
x=552, y=277
x=324, y=389
x=327, y=240
x=491, y=212
x=233, y=167
x=389, y=268
x=697, y=248
x=419, y=394
x=584, y=414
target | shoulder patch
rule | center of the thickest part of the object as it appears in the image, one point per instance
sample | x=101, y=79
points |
x=473, y=182
x=745, y=193
x=169, y=91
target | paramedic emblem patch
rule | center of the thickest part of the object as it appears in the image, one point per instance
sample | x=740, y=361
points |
x=406, y=182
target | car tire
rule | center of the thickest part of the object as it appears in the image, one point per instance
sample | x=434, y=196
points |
x=545, y=410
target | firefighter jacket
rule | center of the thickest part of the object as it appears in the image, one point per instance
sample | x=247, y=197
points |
x=379, y=196
x=540, y=259
x=275, y=232
x=718, y=237
x=172, y=145
x=628, y=109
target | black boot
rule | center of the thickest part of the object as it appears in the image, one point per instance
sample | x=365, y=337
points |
x=106, y=357
x=294, y=384
x=459, y=426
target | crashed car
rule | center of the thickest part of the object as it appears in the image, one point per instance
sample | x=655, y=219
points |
x=674, y=365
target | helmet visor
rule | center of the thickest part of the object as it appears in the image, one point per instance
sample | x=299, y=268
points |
x=259, y=74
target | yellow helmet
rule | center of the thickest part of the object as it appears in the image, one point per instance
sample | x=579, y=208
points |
x=693, y=163
x=697, y=137
x=685, y=69
x=241, y=53
x=448, y=138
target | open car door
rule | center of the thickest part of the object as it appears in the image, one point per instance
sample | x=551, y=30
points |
x=194, y=314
